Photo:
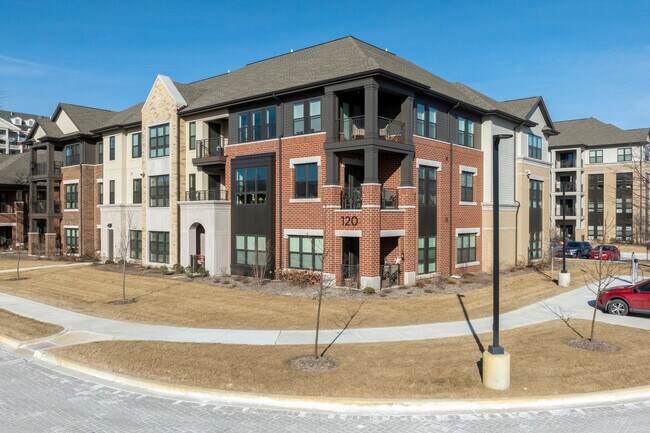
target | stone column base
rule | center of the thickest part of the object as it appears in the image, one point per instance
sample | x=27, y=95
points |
x=374, y=282
x=564, y=279
x=496, y=371
x=32, y=243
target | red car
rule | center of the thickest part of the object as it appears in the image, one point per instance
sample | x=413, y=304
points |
x=610, y=252
x=624, y=299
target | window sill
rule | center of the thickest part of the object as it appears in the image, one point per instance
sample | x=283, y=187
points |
x=467, y=203
x=70, y=210
x=305, y=200
x=466, y=265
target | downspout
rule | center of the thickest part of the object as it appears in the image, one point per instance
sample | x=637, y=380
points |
x=82, y=155
x=515, y=196
x=280, y=135
x=451, y=188
x=178, y=186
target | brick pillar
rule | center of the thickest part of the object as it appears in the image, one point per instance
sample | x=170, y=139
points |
x=19, y=232
x=369, y=244
x=32, y=243
x=332, y=260
x=50, y=244
x=409, y=243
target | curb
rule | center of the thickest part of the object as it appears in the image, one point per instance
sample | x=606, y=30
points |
x=359, y=406
x=11, y=342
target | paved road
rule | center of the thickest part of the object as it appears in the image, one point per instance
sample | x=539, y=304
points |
x=36, y=399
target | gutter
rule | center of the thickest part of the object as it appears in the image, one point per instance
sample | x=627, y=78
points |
x=178, y=185
x=280, y=135
x=515, y=195
x=451, y=188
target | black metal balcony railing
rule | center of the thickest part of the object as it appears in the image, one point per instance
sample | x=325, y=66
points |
x=6, y=208
x=351, y=198
x=209, y=194
x=210, y=147
x=40, y=206
x=568, y=211
x=72, y=160
x=42, y=168
x=568, y=186
x=567, y=163
x=389, y=275
x=353, y=128
x=350, y=275
x=389, y=198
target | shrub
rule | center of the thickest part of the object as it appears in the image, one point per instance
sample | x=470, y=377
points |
x=450, y=280
x=419, y=284
x=178, y=268
x=189, y=271
x=109, y=262
x=368, y=291
x=163, y=269
x=298, y=276
x=201, y=272
x=427, y=290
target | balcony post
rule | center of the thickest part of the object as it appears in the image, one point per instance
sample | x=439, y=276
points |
x=371, y=164
x=330, y=103
x=331, y=168
x=407, y=170
x=371, y=107
x=407, y=118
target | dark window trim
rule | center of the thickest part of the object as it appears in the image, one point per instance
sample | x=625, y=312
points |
x=309, y=186
x=467, y=186
x=249, y=132
x=465, y=254
x=137, y=192
x=72, y=196
x=159, y=191
x=250, y=191
x=534, y=146
x=307, y=118
x=466, y=138
x=595, y=156
x=135, y=244
x=159, y=247
x=260, y=256
x=111, y=148
x=136, y=148
x=427, y=127
x=301, y=254
x=192, y=135
x=159, y=144
x=111, y=192
x=72, y=238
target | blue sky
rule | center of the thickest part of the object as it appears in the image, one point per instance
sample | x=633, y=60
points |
x=587, y=58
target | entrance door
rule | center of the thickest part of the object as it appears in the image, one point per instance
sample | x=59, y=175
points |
x=350, y=265
x=200, y=240
x=214, y=186
x=110, y=244
x=214, y=135
x=353, y=176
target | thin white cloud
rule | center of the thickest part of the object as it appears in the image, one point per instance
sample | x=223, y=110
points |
x=11, y=66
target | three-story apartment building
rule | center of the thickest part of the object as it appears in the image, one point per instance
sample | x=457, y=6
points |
x=14, y=128
x=341, y=157
x=604, y=171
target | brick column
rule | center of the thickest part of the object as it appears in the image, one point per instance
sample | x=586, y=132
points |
x=50, y=244
x=332, y=260
x=19, y=232
x=409, y=243
x=32, y=243
x=369, y=244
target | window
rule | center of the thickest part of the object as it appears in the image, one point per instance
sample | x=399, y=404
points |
x=71, y=196
x=243, y=127
x=427, y=186
x=595, y=232
x=595, y=205
x=623, y=205
x=72, y=154
x=534, y=146
x=111, y=148
x=465, y=132
x=136, y=145
x=426, y=254
x=595, y=156
x=257, y=125
x=624, y=154
x=270, y=122
x=192, y=128
x=71, y=239
x=307, y=116
x=306, y=252
x=192, y=183
x=624, y=233
x=100, y=186
x=251, y=250
x=101, y=152
x=137, y=191
x=624, y=181
x=159, y=141
x=425, y=121
x=306, y=180
x=535, y=245
x=535, y=194
x=596, y=182
x=159, y=191
x=250, y=185
x=111, y=192
x=159, y=247
x=466, y=186
x=466, y=248
x=135, y=244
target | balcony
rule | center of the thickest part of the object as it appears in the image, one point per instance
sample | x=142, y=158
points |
x=569, y=211
x=353, y=128
x=389, y=198
x=351, y=198
x=43, y=169
x=210, y=151
x=568, y=187
x=40, y=206
x=208, y=194
x=72, y=160
x=568, y=163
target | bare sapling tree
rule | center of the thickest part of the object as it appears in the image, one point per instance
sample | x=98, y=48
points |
x=124, y=248
x=20, y=248
x=344, y=327
x=264, y=264
x=598, y=276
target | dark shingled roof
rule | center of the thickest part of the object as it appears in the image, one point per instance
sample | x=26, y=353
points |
x=130, y=116
x=593, y=132
x=521, y=107
x=86, y=119
x=8, y=115
x=14, y=169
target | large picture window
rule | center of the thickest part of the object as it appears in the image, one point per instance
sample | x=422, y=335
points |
x=135, y=244
x=534, y=146
x=250, y=185
x=426, y=254
x=306, y=252
x=257, y=125
x=72, y=154
x=159, y=247
x=595, y=156
x=306, y=180
x=251, y=250
x=624, y=154
x=466, y=248
x=425, y=121
x=71, y=196
x=159, y=191
x=159, y=141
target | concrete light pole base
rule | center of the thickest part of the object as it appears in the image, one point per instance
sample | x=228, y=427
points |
x=564, y=279
x=496, y=371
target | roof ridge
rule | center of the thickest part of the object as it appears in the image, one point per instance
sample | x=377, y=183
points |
x=300, y=49
x=521, y=99
x=85, y=106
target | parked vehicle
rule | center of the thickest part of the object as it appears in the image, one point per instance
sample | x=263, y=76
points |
x=556, y=248
x=609, y=252
x=624, y=299
x=578, y=250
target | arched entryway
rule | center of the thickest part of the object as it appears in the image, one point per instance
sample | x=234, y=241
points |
x=197, y=243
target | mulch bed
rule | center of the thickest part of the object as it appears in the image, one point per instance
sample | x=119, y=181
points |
x=592, y=346
x=313, y=364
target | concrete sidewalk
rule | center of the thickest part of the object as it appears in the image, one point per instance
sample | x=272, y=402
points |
x=81, y=328
x=36, y=268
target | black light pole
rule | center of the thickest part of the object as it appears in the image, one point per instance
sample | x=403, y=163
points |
x=495, y=348
x=563, y=227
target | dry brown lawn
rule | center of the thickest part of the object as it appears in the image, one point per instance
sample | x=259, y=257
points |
x=542, y=364
x=6, y=263
x=22, y=328
x=178, y=302
x=628, y=248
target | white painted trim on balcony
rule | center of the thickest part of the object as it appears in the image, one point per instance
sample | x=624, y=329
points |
x=468, y=231
x=302, y=232
x=69, y=181
x=304, y=200
x=348, y=233
x=391, y=233
x=466, y=169
x=428, y=163
x=304, y=160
